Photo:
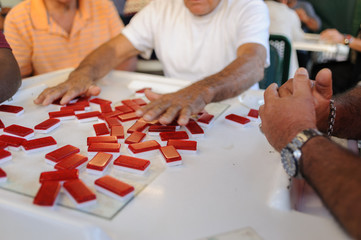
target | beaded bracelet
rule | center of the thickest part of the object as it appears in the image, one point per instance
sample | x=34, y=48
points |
x=331, y=117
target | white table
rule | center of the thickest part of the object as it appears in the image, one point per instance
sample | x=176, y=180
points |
x=312, y=42
x=235, y=181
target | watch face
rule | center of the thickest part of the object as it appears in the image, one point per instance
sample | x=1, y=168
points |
x=288, y=162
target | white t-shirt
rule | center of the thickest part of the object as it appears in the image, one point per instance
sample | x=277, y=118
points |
x=285, y=21
x=192, y=47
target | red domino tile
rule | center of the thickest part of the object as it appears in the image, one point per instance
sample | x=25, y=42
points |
x=106, y=108
x=38, y=143
x=101, y=129
x=104, y=147
x=194, y=128
x=79, y=192
x=100, y=161
x=253, y=113
x=4, y=156
x=115, y=186
x=62, y=114
x=100, y=101
x=3, y=145
x=237, y=118
x=129, y=102
x=47, y=125
x=144, y=146
x=19, y=131
x=110, y=114
x=47, y=194
x=161, y=128
x=88, y=115
x=17, y=110
x=3, y=175
x=128, y=117
x=60, y=153
x=165, y=136
x=183, y=144
x=170, y=154
x=139, y=101
x=138, y=126
x=71, y=162
x=132, y=162
x=117, y=131
x=102, y=139
x=206, y=118
x=1, y=125
x=141, y=91
x=113, y=121
x=75, y=108
x=12, y=141
x=135, y=137
x=124, y=109
x=60, y=175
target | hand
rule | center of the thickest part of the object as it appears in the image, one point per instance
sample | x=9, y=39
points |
x=332, y=36
x=77, y=84
x=284, y=117
x=302, y=15
x=182, y=104
x=322, y=93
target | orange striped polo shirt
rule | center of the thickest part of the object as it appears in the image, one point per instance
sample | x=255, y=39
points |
x=40, y=45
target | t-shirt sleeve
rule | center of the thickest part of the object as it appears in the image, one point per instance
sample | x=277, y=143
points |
x=253, y=24
x=3, y=42
x=17, y=34
x=140, y=30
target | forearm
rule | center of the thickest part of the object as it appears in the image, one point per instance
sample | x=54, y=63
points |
x=9, y=75
x=107, y=57
x=334, y=173
x=356, y=44
x=348, y=115
x=312, y=24
x=237, y=77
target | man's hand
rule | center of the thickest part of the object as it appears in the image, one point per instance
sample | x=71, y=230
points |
x=332, y=36
x=76, y=85
x=322, y=93
x=284, y=117
x=182, y=104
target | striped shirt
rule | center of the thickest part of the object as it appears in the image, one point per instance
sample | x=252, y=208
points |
x=3, y=42
x=40, y=45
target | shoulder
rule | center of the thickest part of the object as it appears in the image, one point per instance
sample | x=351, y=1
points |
x=253, y=5
x=20, y=10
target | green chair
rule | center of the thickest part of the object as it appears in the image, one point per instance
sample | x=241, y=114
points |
x=283, y=46
x=280, y=56
x=272, y=73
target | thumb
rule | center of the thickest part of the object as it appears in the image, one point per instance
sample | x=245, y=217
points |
x=93, y=90
x=151, y=95
x=324, y=83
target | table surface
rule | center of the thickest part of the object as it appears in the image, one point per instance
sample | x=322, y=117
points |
x=234, y=182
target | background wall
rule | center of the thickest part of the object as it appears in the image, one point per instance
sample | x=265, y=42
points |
x=9, y=3
x=344, y=15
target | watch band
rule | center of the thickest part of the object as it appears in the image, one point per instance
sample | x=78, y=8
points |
x=291, y=154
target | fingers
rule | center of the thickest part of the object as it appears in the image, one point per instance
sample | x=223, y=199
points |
x=286, y=89
x=184, y=116
x=170, y=114
x=271, y=92
x=324, y=83
x=49, y=95
x=153, y=110
x=301, y=83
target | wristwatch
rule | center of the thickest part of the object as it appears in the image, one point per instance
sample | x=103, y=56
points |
x=347, y=39
x=291, y=154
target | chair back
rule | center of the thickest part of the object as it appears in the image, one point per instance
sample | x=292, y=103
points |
x=283, y=46
x=272, y=74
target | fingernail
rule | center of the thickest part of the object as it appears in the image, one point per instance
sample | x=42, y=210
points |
x=302, y=71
